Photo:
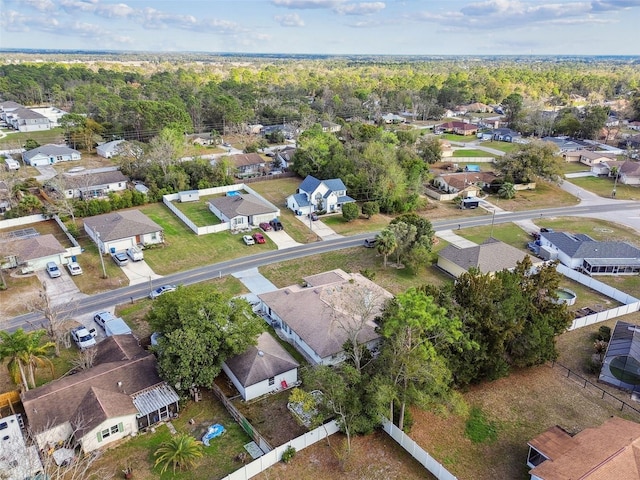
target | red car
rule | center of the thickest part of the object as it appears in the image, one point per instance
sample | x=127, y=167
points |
x=259, y=238
x=265, y=226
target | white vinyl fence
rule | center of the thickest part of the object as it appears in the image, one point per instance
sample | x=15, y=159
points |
x=269, y=459
x=417, y=452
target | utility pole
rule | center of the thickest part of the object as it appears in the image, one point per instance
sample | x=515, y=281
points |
x=104, y=270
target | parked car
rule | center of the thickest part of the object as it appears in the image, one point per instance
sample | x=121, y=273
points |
x=111, y=324
x=265, y=226
x=83, y=337
x=370, y=242
x=74, y=268
x=120, y=258
x=276, y=224
x=248, y=240
x=161, y=290
x=53, y=270
x=313, y=216
x=135, y=254
x=259, y=238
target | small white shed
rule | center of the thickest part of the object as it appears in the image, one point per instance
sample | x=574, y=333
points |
x=189, y=196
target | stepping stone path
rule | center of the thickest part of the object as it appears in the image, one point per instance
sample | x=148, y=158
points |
x=171, y=428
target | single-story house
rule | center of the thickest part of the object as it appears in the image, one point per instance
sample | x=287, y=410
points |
x=17, y=460
x=505, y=135
x=89, y=185
x=470, y=183
x=330, y=127
x=581, y=252
x=459, y=128
x=605, y=452
x=566, y=144
x=109, y=149
x=393, y=118
x=635, y=125
x=263, y=368
x=26, y=120
x=489, y=257
x=619, y=367
x=33, y=252
x=319, y=195
x=248, y=163
x=50, y=154
x=123, y=229
x=629, y=173
x=591, y=158
x=254, y=128
x=631, y=142
x=243, y=210
x=319, y=317
x=288, y=131
x=119, y=396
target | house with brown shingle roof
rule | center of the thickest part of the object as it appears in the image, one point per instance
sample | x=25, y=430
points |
x=119, y=396
x=488, y=257
x=247, y=163
x=263, y=368
x=611, y=451
x=629, y=173
x=123, y=229
x=469, y=182
x=457, y=127
x=321, y=316
x=243, y=210
x=33, y=252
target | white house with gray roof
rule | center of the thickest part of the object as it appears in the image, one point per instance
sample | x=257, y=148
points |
x=26, y=120
x=109, y=149
x=50, y=154
x=314, y=195
x=263, y=368
x=123, y=229
x=242, y=210
x=89, y=185
x=332, y=307
x=581, y=252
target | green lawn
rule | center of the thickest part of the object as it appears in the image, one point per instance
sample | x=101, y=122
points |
x=55, y=135
x=470, y=153
x=198, y=212
x=545, y=195
x=458, y=138
x=503, y=146
x=508, y=233
x=359, y=225
x=574, y=167
x=184, y=250
x=603, y=186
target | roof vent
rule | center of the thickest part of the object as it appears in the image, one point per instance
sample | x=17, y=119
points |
x=260, y=353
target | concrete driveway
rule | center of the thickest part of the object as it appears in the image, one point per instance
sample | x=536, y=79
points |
x=319, y=228
x=281, y=239
x=61, y=290
x=139, y=272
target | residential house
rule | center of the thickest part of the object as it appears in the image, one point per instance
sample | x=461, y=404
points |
x=26, y=120
x=319, y=195
x=581, y=252
x=631, y=142
x=619, y=366
x=248, y=164
x=635, y=125
x=330, y=127
x=505, y=135
x=288, y=131
x=591, y=158
x=286, y=156
x=32, y=252
x=6, y=108
x=54, y=114
x=489, y=257
x=479, y=107
x=321, y=316
x=17, y=460
x=119, y=396
x=50, y=154
x=90, y=185
x=263, y=368
x=468, y=184
x=254, y=129
x=566, y=144
x=123, y=229
x=629, y=173
x=458, y=128
x=393, y=118
x=244, y=210
x=109, y=149
x=605, y=452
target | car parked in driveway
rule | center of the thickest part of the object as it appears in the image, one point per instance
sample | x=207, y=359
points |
x=248, y=240
x=83, y=337
x=120, y=258
x=161, y=291
x=265, y=226
x=53, y=270
x=74, y=268
x=276, y=224
x=259, y=238
x=135, y=254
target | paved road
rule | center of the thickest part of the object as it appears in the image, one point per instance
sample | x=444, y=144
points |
x=106, y=300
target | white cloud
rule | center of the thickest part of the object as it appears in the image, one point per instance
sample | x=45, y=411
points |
x=41, y=5
x=364, y=8
x=307, y=4
x=289, y=20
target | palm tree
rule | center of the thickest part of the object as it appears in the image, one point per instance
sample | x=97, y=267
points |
x=25, y=354
x=507, y=190
x=181, y=451
x=386, y=244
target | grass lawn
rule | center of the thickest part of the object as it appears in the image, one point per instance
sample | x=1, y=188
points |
x=359, y=225
x=603, y=187
x=574, y=167
x=218, y=459
x=509, y=233
x=545, y=195
x=458, y=138
x=184, y=250
x=470, y=153
x=198, y=212
x=601, y=230
x=13, y=138
x=503, y=146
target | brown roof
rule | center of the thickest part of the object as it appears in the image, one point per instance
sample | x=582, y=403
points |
x=62, y=400
x=245, y=204
x=35, y=247
x=319, y=314
x=259, y=362
x=491, y=256
x=118, y=348
x=458, y=125
x=611, y=451
x=122, y=224
x=589, y=155
x=247, y=159
x=462, y=180
x=630, y=168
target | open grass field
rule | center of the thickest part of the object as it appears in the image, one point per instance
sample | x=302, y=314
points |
x=15, y=139
x=503, y=146
x=458, y=138
x=545, y=195
x=603, y=186
x=574, y=167
x=470, y=153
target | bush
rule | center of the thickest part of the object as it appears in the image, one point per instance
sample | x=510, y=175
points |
x=604, y=333
x=350, y=211
x=288, y=454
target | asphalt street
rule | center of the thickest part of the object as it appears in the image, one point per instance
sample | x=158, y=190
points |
x=106, y=300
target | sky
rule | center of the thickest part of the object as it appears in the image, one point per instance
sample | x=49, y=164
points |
x=333, y=27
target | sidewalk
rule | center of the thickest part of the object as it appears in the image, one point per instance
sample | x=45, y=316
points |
x=454, y=239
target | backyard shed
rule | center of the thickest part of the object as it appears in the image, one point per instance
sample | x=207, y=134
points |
x=189, y=196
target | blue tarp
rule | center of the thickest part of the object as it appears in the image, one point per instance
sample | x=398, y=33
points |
x=212, y=432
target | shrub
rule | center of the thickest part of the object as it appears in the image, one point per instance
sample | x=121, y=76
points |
x=604, y=333
x=288, y=454
x=350, y=211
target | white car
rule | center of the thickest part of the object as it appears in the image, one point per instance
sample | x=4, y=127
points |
x=74, y=268
x=83, y=337
x=161, y=290
x=248, y=239
x=53, y=270
x=135, y=254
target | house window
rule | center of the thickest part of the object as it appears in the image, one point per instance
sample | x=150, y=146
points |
x=110, y=431
x=272, y=380
x=59, y=158
x=154, y=236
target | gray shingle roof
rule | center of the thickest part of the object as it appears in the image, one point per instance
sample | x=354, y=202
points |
x=259, y=362
x=245, y=204
x=491, y=256
x=122, y=224
x=35, y=247
x=86, y=180
x=583, y=246
x=49, y=150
